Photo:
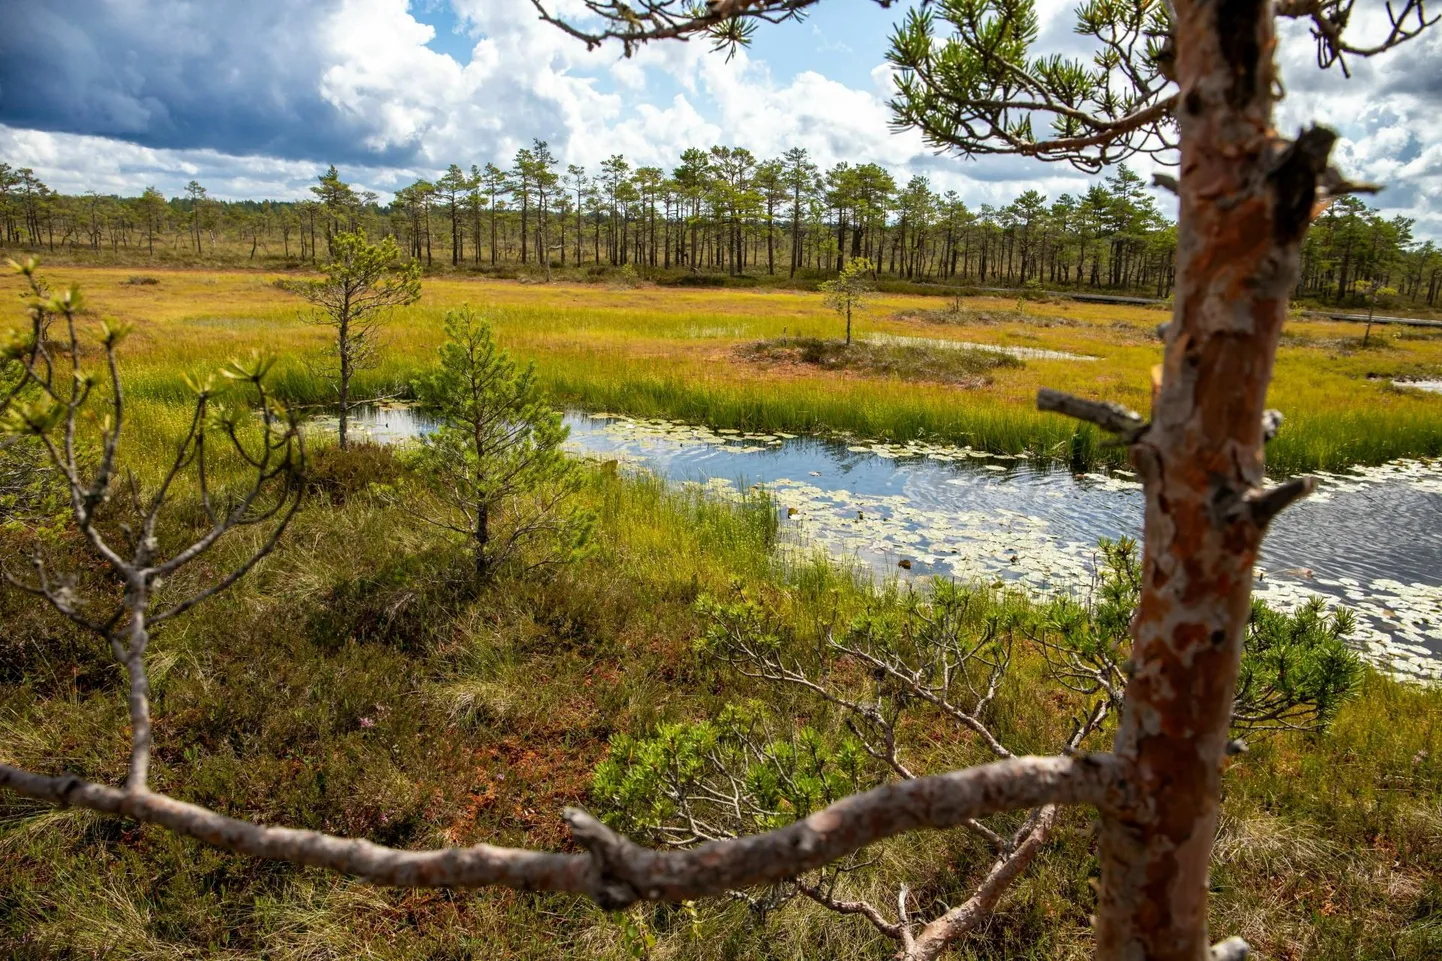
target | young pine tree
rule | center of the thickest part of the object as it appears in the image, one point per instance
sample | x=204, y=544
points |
x=848, y=291
x=362, y=283
x=494, y=470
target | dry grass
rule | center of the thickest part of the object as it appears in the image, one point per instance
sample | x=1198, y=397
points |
x=912, y=364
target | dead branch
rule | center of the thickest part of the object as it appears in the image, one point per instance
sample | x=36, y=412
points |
x=617, y=872
x=1267, y=504
x=1330, y=18
x=892, y=929
x=1115, y=419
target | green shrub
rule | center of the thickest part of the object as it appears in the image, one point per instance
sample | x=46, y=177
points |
x=1297, y=668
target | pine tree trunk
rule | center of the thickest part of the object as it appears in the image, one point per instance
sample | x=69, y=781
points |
x=795, y=234
x=483, y=539
x=1245, y=203
x=344, y=340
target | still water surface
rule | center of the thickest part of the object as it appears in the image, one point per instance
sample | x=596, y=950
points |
x=1367, y=539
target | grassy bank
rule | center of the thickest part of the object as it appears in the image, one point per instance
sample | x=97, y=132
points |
x=677, y=353
x=354, y=684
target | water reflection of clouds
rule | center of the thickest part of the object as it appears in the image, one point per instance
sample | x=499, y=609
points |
x=965, y=513
x=1047, y=546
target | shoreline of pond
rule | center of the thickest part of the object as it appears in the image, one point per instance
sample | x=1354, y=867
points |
x=920, y=510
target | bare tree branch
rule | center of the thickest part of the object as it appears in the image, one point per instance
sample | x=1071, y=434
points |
x=618, y=872
x=135, y=568
x=891, y=929
x=934, y=938
x=1329, y=20
x=1113, y=418
x=1267, y=504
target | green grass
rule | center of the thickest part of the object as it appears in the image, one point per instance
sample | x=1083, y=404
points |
x=258, y=700
x=491, y=711
x=674, y=352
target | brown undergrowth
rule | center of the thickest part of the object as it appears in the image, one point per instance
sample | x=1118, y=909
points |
x=354, y=684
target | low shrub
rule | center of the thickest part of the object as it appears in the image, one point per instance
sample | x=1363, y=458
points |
x=338, y=475
x=958, y=366
x=693, y=280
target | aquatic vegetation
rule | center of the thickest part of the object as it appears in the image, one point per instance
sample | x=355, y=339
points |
x=1010, y=519
x=926, y=510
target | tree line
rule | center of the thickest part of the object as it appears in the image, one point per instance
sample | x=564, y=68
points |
x=1354, y=253
x=721, y=210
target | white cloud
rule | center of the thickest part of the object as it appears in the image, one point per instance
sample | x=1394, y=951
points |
x=1384, y=113
x=368, y=92
x=76, y=163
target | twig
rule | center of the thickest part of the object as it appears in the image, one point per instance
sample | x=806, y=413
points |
x=1113, y=418
x=1267, y=504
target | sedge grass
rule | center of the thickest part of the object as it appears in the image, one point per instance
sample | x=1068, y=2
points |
x=674, y=353
x=342, y=687
x=488, y=713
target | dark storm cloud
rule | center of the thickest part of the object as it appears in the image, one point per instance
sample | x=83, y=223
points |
x=238, y=77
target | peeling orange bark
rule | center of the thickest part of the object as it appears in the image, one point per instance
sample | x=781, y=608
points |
x=1240, y=224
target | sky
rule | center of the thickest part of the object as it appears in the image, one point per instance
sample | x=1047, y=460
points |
x=254, y=99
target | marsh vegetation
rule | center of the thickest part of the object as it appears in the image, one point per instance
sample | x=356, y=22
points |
x=312, y=693
x=818, y=763
x=654, y=351
x=907, y=362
